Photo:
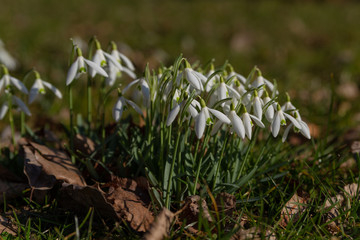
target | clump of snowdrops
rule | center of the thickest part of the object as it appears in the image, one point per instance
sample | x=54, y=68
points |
x=201, y=122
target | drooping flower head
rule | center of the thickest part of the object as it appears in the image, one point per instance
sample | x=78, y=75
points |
x=39, y=87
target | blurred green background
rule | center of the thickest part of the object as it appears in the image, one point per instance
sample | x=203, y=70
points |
x=300, y=44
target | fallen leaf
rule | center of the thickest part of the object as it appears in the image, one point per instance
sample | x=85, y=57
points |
x=226, y=202
x=84, y=144
x=44, y=166
x=11, y=186
x=333, y=205
x=7, y=226
x=193, y=207
x=131, y=202
x=355, y=147
x=81, y=198
x=352, y=190
x=253, y=233
x=160, y=227
x=293, y=209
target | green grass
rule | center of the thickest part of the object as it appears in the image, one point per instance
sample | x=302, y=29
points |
x=301, y=45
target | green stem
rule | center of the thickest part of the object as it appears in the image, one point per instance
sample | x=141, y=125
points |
x=251, y=144
x=207, y=137
x=11, y=120
x=71, y=112
x=219, y=162
x=167, y=201
x=22, y=118
x=89, y=105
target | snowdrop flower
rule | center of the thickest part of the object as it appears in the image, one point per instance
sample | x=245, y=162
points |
x=269, y=112
x=8, y=80
x=223, y=91
x=261, y=81
x=204, y=118
x=143, y=85
x=176, y=109
x=6, y=58
x=247, y=120
x=235, y=75
x=236, y=122
x=15, y=101
x=257, y=105
x=38, y=87
x=116, y=68
x=195, y=78
x=80, y=66
x=279, y=119
x=211, y=82
x=121, y=104
x=305, y=131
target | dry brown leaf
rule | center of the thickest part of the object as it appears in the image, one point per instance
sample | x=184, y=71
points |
x=10, y=185
x=226, y=202
x=84, y=144
x=253, y=233
x=44, y=166
x=293, y=209
x=81, y=198
x=352, y=190
x=7, y=226
x=355, y=147
x=192, y=210
x=160, y=227
x=131, y=202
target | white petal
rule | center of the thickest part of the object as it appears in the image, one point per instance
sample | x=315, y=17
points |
x=96, y=67
x=216, y=127
x=2, y=80
x=257, y=108
x=222, y=117
x=129, y=72
x=53, y=89
x=257, y=121
x=305, y=129
x=113, y=61
x=192, y=110
x=130, y=85
x=275, y=125
x=172, y=115
x=34, y=91
x=19, y=85
x=222, y=92
x=145, y=90
x=269, y=84
x=126, y=61
x=118, y=109
x=97, y=60
x=233, y=92
x=21, y=105
x=193, y=80
x=3, y=110
x=286, y=132
x=247, y=125
x=200, y=76
x=293, y=120
x=200, y=123
x=134, y=106
x=237, y=124
x=72, y=72
x=269, y=114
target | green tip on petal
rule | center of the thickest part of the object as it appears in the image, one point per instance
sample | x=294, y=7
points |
x=258, y=71
x=278, y=107
x=255, y=93
x=78, y=52
x=222, y=79
x=287, y=97
x=97, y=44
x=187, y=64
x=296, y=115
x=266, y=93
x=243, y=109
x=202, y=102
x=113, y=45
x=37, y=74
x=230, y=67
x=212, y=67
x=237, y=83
x=232, y=107
x=283, y=122
x=42, y=90
x=5, y=70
